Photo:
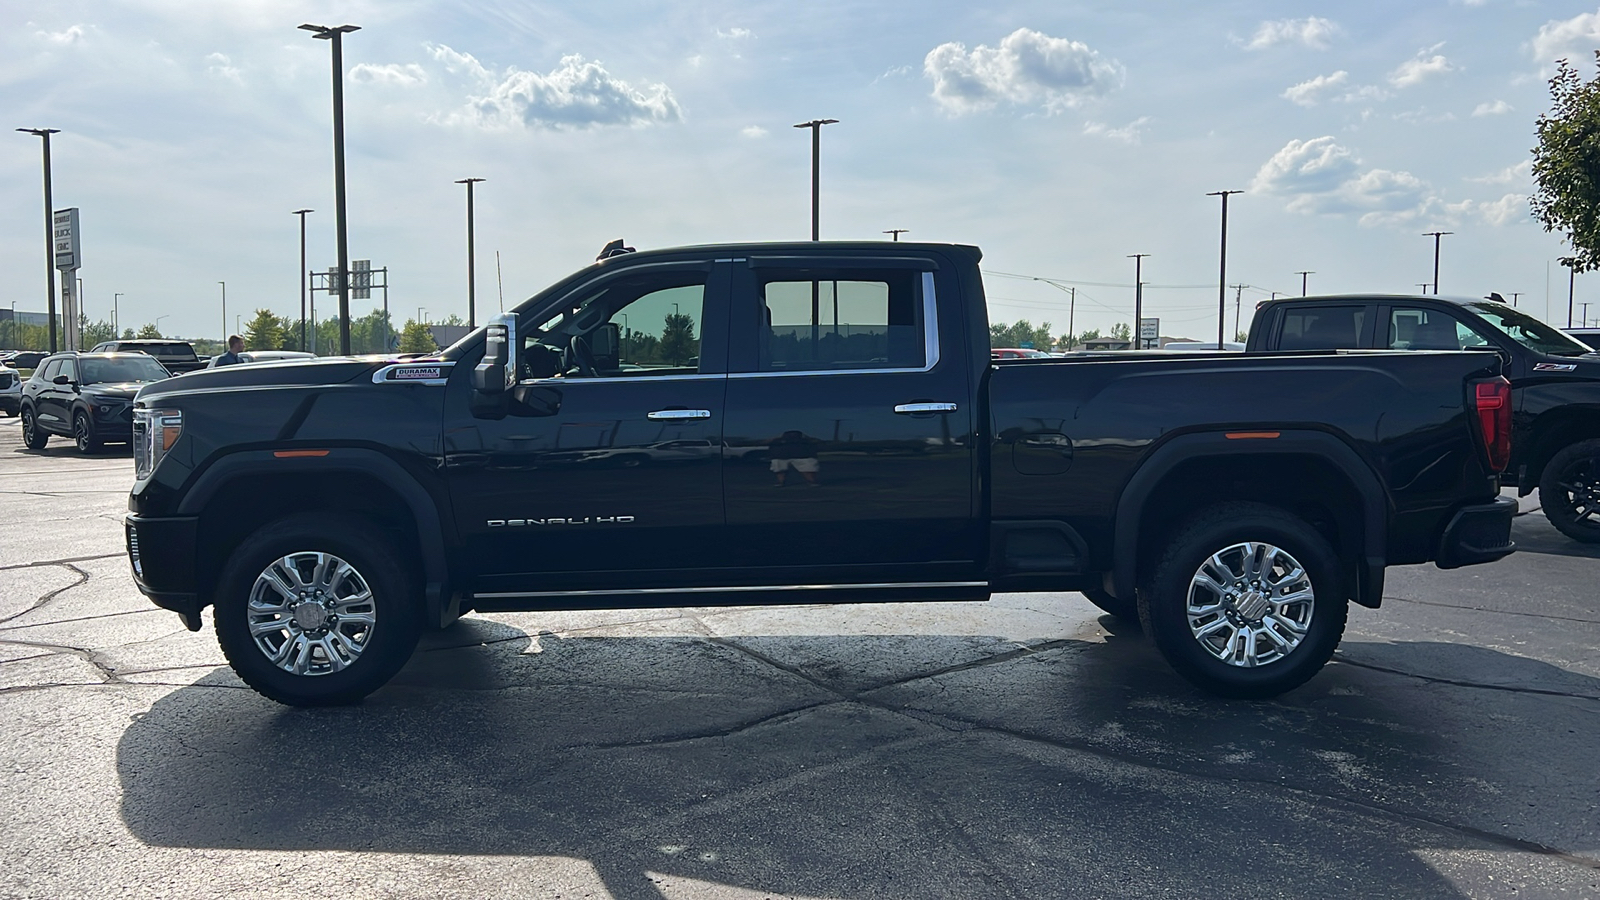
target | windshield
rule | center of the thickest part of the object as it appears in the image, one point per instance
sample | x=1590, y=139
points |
x=122, y=370
x=1526, y=330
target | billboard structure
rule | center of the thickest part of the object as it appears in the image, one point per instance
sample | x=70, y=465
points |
x=68, y=257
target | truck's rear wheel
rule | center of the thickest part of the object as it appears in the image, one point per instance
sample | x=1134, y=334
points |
x=317, y=610
x=1245, y=601
x=1569, y=491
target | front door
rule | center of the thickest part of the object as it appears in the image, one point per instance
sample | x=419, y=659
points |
x=622, y=485
x=849, y=423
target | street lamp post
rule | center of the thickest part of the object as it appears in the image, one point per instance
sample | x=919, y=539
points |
x=224, y=312
x=302, y=214
x=334, y=35
x=116, y=321
x=1138, y=297
x=472, y=273
x=1436, y=235
x=816, y=152
x=1222, y=279
x=897, y=232
x=158, y=322
x=1303, y=280
x=49, y=233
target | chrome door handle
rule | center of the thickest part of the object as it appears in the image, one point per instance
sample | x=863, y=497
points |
x=911, y=409
x=678, y=415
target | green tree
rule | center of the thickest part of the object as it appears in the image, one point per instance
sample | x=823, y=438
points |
x=93, y=333
x=127, y=334
x=415, y=338
x=1122, y=332
x=148, y=331
x=678, y=343
x=1566, y=165
x=264, y=332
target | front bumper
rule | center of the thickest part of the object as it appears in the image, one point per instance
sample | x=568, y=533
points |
x=1478, y=533
x=162, y=553
x=11, y=403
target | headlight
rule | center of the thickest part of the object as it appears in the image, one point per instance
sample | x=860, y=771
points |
x=154, y=433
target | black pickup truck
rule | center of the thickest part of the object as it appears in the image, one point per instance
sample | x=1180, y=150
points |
x=177, y=357
x=1555, y=380
x=801, y=423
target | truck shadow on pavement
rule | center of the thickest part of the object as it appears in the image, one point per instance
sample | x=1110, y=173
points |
x=890, y=766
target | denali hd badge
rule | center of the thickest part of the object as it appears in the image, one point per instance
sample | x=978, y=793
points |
x=585, y=520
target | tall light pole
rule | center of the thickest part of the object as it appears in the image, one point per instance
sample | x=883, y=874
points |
x=224, y=313
x=49, y=233
x=1436, y=235
x=302, y=214
x=1584, y=322
x=1572, y=282
x=897, y=232
x=116, y=321
x=1138, y=297
x=1222, y=279
x=816, y=152
x=1303, y=276
x=158, y=321
x=472, y=267
x=334, y=36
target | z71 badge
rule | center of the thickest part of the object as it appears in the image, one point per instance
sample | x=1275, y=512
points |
x=1555, y=367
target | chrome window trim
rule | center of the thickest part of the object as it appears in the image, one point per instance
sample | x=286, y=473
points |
x=734, y=589
x=603, y=379
x=930, y=341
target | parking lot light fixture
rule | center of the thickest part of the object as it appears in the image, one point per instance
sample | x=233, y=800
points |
x=1222, y=278
x=472, y=262
x=1436, y=235
x=302, y=214
x=49, y=233
x=334, y=35
x=816, y=170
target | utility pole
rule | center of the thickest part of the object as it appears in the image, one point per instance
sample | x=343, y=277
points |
x=1222, y=279
x=1138, y=297
x=1436, y=235
x=1514, y=296
x=472, y=260
x=897, y=232
x=1072, y=309
x=1572, y=278
x=224, y=314
x=116, y=322
x=1238, y=300
x=816, y=170
x=1302, y=282
x=302, y=214
x=1584, y=322
x=49, y=234
x=334, y=36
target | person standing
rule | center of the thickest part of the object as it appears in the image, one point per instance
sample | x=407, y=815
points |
x=235, y=347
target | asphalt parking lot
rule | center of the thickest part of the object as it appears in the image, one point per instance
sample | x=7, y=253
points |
x=1027, y=747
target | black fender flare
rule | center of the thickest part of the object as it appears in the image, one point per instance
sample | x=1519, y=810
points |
x=1368, y=589
x=365, y=461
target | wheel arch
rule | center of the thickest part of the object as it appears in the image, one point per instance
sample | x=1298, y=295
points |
x=247, y=489
x=1190, y=471
x=1553, y=432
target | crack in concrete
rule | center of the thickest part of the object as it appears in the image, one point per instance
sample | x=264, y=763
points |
x=108, y=672
x=60, y=562
x=1453, y=682
x=110, y=615
x=44, y=600
x=1501, y=612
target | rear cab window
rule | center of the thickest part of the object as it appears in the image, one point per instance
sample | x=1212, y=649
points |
x=1330, y=327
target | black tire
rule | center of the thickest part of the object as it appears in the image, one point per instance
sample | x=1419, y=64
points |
x=1569, y=491
x=1164, y=602
x=384, y=646
x=83, y=433
x=1122, y=609
x=33, y=437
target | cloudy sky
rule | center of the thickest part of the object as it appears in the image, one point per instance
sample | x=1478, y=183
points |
x=1059, y=136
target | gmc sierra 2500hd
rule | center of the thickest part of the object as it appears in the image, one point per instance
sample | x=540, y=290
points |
x=809, y=422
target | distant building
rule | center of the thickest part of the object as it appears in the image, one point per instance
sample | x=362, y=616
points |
x=445, y=335
x=28, y=318
x=1107, y=343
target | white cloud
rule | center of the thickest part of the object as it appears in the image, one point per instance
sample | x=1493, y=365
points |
x=734, y=34
x=1497, y=108
x=753, y=131
x=1128, y=134
x=1567, y=38
x=1312, y=32
x=1319, y=176
x=1317, y=166
x=1420, y=67
x=1308, y=93
x=70, y=35
x=576, y=94
x=1519, y=172
x=396, y=74
x=1510, y=208
x=1028, y=67
x=219, y=66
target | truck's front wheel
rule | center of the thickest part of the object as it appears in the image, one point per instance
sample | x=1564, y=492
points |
x=1245, y=601
x=1569, y=491
x=317, y=610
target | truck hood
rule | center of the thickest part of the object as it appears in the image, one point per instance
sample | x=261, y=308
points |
x=295, y=373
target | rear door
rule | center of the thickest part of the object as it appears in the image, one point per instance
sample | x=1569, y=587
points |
x=848, y=426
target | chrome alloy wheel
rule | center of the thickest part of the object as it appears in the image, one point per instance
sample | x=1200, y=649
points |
x=311, y=613
x=1250, y=604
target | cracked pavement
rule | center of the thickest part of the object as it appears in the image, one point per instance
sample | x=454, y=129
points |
x=1026, y=747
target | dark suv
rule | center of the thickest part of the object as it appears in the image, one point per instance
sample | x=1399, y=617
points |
x=85, y=396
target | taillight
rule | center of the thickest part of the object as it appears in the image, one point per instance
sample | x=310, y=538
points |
x=1492, y=400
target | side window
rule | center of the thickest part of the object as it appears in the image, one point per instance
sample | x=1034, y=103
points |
x=69, y=368
x=643, y=324
x=1322, y=327
x=841, y=319
x=50, y=370
x=1429, y=329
